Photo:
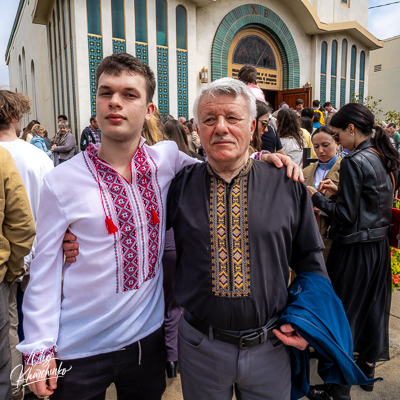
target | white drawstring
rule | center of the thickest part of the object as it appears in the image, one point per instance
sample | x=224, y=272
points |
x=140, y=352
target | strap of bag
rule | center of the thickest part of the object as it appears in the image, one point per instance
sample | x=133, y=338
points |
x=384, y=163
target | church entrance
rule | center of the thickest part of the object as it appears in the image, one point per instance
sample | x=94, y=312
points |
x=255, y=47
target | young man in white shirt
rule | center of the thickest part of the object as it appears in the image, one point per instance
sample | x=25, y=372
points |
x=102, y=315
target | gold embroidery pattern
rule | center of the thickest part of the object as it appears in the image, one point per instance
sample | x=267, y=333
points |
x=229, y=236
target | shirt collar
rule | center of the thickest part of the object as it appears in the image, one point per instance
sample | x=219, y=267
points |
x=243, y=172
x=328, y=165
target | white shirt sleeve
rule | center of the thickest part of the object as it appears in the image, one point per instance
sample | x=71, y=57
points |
x=42, y=299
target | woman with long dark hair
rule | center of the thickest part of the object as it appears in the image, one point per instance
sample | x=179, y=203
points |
x=265, y=137
x=291, y=136
x=359, y=261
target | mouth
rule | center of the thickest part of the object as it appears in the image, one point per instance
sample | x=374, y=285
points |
x=115, y=118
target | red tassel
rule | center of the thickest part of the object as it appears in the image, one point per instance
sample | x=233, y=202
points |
x=111, y=228
x=154, y=217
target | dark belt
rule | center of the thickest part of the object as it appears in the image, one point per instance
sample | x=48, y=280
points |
x=245, y=341
x=369, y=235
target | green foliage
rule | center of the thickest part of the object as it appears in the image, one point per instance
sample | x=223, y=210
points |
x=395, y=263
x=369, y=102
x=392, y=116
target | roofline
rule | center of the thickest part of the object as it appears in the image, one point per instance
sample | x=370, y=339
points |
x=20, y=6
x=312, y=25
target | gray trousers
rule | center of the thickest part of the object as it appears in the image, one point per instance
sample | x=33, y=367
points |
x=5, y=356
x=212, y=370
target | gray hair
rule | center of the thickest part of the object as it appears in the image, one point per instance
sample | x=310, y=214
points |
x=226, y=86
x=64, y=124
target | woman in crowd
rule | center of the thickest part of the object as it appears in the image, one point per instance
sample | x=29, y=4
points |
x=152, y=130
x=26, y=134
x=37, y=139
x=174, y=131
x=47, y=140
x=192, y=137
x=359, y=261
x=64, y=149
x=327, y=167
x=290, y=134
x=265, y=137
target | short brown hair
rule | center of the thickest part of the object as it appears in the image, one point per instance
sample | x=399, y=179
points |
x=12, y=106
x=119, y=62
x=248, y=74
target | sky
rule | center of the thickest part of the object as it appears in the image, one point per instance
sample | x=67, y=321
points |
x=383, y=22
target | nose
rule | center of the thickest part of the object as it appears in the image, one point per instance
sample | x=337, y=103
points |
x=115, y=101
x=221, y=127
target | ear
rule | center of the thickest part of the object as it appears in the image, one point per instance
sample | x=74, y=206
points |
x=149, y=111
x=253, y=126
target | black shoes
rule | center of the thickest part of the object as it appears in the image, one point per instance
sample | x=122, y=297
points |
x=171, y=367
x=369, y=372
x=329, y=392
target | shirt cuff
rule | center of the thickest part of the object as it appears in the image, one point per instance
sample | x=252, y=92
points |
x=257, y=156
x=38, y=357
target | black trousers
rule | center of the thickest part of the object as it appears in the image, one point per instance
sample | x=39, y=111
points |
x=137, y=370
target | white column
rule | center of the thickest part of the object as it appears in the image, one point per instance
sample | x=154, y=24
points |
x=152, y=41
x=106, y=27
x=172, y=62
x=130, y=34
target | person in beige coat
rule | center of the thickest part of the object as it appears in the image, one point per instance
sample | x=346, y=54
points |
x=17, y=232
x=326, y=168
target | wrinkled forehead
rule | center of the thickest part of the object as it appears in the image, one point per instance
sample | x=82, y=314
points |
x=222, y=103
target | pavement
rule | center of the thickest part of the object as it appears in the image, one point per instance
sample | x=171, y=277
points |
x=388, y=389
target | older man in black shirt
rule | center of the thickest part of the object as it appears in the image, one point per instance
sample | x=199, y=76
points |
x=239, y=224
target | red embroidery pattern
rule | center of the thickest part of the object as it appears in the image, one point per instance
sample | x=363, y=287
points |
x=38, y=357
x=149, y=198
x=117, y=189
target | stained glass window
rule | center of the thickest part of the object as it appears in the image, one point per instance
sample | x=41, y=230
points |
x=181, y=28
x=255, y=51
x=140, y=21
x=353, y=62
x=117, y=12
x=323, y=57
x=344, y=58
x=93, y=16
x=334, y=58
x=161, y=22
x=362, y=65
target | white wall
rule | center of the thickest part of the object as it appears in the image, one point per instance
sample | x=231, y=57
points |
x=385, y=84
x=33, y=38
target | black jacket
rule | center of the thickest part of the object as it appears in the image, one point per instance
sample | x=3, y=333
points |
x=86, y=138
x=362, y=211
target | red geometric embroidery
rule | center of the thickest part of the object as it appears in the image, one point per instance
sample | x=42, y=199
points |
x=38, y=357
x=125, y=217
x=149, y=198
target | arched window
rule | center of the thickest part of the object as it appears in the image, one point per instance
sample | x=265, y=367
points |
x=333, y=73
x=64, y=14
x=343, y=74
x=21, y=81
x=34, y=88
x=362, y=74
x=161, y=22
x=24, y=77
x=59, y=23
x=353, y=71
x=181, y=28
x=54, y=35
x=140, y=21
x=50, y=44
x=93, y=17
x=254, y=50
x=324, y=51
x=353, y=62
x=118, y=25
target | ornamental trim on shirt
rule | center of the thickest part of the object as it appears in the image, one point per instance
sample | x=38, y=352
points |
x=137, y=210
x=230, y=235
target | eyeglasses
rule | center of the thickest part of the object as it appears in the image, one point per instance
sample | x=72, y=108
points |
x=336, y=137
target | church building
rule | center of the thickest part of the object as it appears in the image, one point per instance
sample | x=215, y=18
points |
x=310, y=49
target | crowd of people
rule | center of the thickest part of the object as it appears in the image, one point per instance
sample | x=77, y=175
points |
x=206, y=216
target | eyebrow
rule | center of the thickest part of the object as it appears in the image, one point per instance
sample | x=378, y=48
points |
x=127, y=88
